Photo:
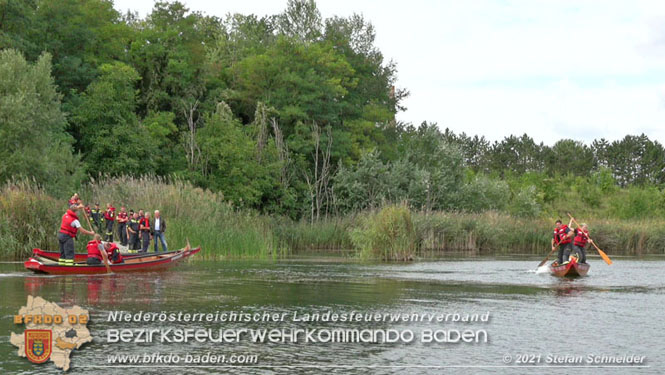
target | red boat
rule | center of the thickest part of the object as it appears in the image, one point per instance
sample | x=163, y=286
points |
x=82, y=257
x=570, y=269
x=143, y=262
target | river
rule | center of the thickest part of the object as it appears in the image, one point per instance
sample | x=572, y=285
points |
x=615, y=311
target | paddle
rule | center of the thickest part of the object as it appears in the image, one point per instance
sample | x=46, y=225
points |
x=548, y=256
x=601, y=252
x=104, y=256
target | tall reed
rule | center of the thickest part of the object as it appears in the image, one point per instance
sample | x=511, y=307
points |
x=200, y=216
x=387, y=234
x=29, y=218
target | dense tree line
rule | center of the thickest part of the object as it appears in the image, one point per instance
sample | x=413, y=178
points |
x=632, y=160
x=289, y=114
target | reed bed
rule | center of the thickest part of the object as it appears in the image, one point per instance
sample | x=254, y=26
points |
x=30, y=217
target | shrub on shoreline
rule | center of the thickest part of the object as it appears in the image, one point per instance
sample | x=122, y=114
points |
x=387, y=234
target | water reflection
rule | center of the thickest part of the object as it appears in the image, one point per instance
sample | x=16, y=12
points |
x=569, y=290
x=522, y=304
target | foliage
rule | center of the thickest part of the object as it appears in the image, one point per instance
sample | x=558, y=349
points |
x=33, y=141
x=229, y=160
x=290, y=115
x=113, y=140
x=387, y=234
x=29, y=218
x=202, y=217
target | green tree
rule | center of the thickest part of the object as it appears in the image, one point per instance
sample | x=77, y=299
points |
x=301, y=20
x=112, y=139
x=169, y=53
x=16, y=20
x=362, y=186
x=569, y=156
x=517, y=154
x=442, y=161
x=81, y=35
x=33, y=141
x=229, y=162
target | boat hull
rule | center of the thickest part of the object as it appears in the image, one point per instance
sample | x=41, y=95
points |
x=153, y=262
x=82, y=257
x=572, y=269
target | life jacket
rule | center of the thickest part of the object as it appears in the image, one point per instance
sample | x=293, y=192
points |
x=66, y=225
x=560, y=235
x=113, y=254
x=581, y=238
x=93, y=250
x=110, y=214
x=122, y=217
x=146, y=223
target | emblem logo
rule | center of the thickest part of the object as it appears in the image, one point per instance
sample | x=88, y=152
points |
x=38, y=345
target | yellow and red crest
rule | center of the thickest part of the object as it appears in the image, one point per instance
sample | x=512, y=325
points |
x=38, y=345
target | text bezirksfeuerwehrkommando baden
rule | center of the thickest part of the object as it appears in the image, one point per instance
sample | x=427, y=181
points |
x=294, y=316
x=296, y=335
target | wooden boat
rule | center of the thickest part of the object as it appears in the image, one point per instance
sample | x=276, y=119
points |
x=570, y=269
x=82, y=257
x=143, y=262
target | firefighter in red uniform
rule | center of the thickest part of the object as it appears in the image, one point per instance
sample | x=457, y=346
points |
x=562, y=237
x=74, y=200
x=580, y=241
x=69, y=227
x=109, y=218
x=113, y=253
x=95, y=248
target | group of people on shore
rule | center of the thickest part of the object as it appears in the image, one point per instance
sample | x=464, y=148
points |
x=571, y=242
x=135, y=230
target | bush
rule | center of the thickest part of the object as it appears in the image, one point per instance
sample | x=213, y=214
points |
x=638, y=203
x=388, y=234
x=483, y=193
x=524, y=203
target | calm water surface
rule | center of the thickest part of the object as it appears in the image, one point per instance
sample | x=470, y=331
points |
x=615, y=310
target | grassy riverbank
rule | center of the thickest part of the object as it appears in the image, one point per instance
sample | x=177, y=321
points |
x=29, y=218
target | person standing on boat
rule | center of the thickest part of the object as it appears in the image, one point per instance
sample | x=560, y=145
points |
x=69, y=227
x=158, y=229
x=144, y=227
x=133, y=232
x=109, y=218
x=580, y=241
x=74, y=200
x=122, y=225
x=563, y=237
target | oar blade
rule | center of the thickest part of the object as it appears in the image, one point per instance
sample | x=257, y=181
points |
x=601, y=252
x=605, y=257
